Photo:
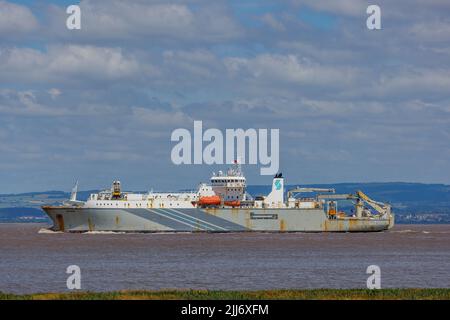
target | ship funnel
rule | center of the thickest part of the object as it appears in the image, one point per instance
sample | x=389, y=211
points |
x=276, y=196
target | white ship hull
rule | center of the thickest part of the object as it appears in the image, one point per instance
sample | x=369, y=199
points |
x=208, y=220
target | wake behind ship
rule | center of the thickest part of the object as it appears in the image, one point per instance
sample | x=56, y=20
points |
x=222, y=206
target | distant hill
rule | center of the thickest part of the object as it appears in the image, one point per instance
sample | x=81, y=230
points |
x=412, y=202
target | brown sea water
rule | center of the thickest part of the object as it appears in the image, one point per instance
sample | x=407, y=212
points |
x=408, y=255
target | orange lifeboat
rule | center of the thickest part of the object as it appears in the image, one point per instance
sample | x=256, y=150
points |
x=235, y=203
x=209, y=201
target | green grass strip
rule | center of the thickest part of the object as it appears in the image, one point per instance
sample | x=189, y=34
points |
x=310, y=294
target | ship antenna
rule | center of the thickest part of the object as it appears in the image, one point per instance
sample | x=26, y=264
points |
x=238, y=167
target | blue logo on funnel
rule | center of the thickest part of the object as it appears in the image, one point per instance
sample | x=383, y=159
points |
x=277, y=184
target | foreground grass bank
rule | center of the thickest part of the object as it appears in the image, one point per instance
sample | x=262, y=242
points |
x=314, y=294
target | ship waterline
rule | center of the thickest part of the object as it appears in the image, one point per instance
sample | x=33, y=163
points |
x=222, y=206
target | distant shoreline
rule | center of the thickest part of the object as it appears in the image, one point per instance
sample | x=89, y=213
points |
x=306, y=294
x=412, y=203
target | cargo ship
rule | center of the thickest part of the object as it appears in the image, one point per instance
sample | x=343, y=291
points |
x=223, y=205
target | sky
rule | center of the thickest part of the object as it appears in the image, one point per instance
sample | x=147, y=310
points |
x=100, y=103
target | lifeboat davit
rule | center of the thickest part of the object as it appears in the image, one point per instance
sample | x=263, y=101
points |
x=209, y=201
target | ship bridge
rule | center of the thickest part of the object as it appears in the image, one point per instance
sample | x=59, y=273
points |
x=230, y=186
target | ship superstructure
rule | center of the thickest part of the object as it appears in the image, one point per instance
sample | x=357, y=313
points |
x=223, y=205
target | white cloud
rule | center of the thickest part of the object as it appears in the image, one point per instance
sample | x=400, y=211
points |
x=16, y=19
x=25, y=103
x=160, y=117
x=118, y=17
x=272, y=22
x=344, y=7
x=431, y=31
x=321, y=52
x=70, y=63
x=407, y=10
x=149, y=21
x=109, y=63
x=200, y=64
x=34, y=103
x=410, y=83
x=275, y=68
x=54, y=93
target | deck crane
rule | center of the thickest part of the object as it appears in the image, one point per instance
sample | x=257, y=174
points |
x=383, y=209
x=307, y=190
